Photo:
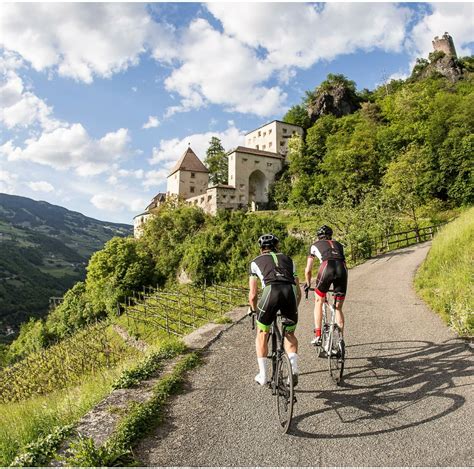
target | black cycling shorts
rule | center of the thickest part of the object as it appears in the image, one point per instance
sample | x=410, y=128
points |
x=278, y=297
x=332, y=272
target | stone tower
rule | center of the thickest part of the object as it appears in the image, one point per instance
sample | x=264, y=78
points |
x=188, y=178
x=445, y=44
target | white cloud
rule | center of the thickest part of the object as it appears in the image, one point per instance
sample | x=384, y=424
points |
x=152, y=122
x=155, y=178
x=8, y=182
x=455, y=18
x=171, y=150
x=71, y=148
x=134, y=89
x=82, y=40
x=40, y=186
x=305, y=33
x=114, y=203
x=232, y=68
x=219, y=69
x=21, y=107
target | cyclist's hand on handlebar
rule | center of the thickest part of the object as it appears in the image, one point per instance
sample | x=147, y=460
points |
x=306, y=288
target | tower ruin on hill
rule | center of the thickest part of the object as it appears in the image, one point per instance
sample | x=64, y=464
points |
x=445, y=44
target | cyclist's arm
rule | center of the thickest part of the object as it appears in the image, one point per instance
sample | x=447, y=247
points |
x=253, y=292
x=309, y=270
x=298, y=291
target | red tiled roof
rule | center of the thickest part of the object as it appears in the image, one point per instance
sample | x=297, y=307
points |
x=189, y=162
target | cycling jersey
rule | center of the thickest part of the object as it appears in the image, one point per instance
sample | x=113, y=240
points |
x=333, y=268
x=277, y=273
x=327, y=249
x=272, y=268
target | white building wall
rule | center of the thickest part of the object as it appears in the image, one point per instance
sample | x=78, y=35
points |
x=272, y=137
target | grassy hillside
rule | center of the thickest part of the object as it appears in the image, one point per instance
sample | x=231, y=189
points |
x=445, y=280
x=43, y=251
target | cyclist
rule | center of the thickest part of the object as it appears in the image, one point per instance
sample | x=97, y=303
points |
x=281, y=291
x=332, y=270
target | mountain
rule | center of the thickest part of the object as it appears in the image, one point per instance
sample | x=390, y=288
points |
x=44, y=250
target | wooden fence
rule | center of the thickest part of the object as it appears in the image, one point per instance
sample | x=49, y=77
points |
x=379, y=245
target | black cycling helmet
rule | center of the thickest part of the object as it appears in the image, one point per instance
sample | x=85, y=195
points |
x=324, y=232
x=268, y=241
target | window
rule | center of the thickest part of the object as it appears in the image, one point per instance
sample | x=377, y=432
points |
x=256, y=147
x=269, y=164
x=284, y=130
x=257, y=161
x=269, y=144
x=232, y=197
x=270, y=131
x=193, y=175
x=191, y=189
x=209, y=197
x=244, y=159
x=263, y=147
x=241, y=186
x=281, y=143
x=259, y=133
x=264, y=134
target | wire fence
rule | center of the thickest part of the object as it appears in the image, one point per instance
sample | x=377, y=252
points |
x=176, y=312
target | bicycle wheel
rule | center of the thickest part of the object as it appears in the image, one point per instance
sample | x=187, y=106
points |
x=285, y=392
x=336, y=355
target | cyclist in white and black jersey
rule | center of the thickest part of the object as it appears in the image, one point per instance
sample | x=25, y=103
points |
x=281, y=292
x=332, y=270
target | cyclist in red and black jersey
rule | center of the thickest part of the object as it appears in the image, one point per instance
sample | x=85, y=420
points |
x=332, y=270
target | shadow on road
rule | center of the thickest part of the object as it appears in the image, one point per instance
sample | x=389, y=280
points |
x=405, y=384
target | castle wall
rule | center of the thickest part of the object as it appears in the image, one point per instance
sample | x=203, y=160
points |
x=272, y=137
x=216, y=198
x=187, y=183
x=139, y=222
x=243, y=165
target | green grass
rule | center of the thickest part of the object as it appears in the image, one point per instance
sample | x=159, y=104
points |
x=24, y=422
x=446, y=278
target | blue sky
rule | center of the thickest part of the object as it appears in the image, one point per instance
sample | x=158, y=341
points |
x=99, y=100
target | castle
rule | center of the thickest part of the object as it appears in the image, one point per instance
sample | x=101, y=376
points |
x=252, y=168
x=445, y=44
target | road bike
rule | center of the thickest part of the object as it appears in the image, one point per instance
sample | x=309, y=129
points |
x=281, y=382
x=332, y=344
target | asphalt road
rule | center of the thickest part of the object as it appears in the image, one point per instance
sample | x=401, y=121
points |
x=407, y=397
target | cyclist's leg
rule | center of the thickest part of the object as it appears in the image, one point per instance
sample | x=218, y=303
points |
x=289, y=311
x=266, y=315
x=323, y=282
x=340, y=288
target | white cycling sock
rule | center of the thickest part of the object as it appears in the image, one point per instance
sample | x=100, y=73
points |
x=294, y=362
x=261, y=378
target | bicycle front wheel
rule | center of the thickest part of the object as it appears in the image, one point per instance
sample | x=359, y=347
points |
x=336, y=356
x=285, y=392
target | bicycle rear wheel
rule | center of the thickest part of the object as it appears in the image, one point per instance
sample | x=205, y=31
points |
x=285, y=392
x=336, y=355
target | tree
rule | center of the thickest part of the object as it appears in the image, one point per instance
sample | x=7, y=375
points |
x=402, y=183
x=217, y=162
x=298, y=115
x=114, y=272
